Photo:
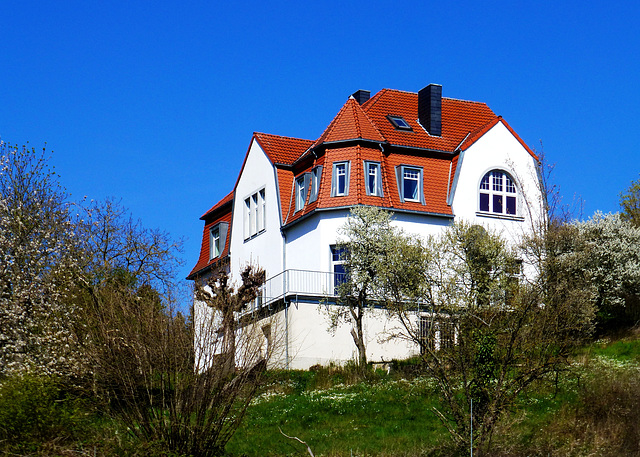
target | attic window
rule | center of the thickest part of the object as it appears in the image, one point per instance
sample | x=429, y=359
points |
x=399, y=122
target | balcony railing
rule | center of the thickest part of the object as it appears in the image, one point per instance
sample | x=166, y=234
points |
x=300, y=282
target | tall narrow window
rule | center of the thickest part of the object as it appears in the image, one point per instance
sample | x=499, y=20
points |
x=338, y=255
x=373, y=178
x=214, y=243
x=316, y=173
x=301, y=193
x=254, y=214
x=498, y=194
x=340, y=179
x=261, y=214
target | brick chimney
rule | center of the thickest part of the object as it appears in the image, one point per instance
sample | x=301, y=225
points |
x=430, y=108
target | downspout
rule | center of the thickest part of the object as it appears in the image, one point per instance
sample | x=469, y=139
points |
x=284, y=298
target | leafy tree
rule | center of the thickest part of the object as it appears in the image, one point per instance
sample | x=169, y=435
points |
x=630, y=203
x=39, y=259
x=485, y=331
x=368, y=241
x=606, y=250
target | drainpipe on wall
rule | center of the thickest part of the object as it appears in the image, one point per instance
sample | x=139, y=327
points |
x=284, y=298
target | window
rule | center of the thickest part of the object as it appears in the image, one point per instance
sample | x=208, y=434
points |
x=399, y=122
x=302, y=186
x=316, y=173
x=254, y=214
x=410, y=184
x=436, y=333
x=498, y=194
x=426, y=334
x=338, y=255
x=217, y=239
x=214, y=250
x=301, y=193
x=340, y=179
x=373, y=178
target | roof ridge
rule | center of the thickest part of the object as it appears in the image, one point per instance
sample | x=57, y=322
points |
x=281, y=136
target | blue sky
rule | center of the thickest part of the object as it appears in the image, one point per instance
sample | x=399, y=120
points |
x=155, y=102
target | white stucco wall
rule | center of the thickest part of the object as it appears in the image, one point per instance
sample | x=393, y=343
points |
x=311, y=342
x=497, y=149
x=263, y=249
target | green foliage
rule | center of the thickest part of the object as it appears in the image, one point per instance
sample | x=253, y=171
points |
x=630, y=203
x=35, y=409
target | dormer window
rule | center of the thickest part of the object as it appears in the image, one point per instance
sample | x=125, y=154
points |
x=340, y=179
x=302, y=185
x=217, y=239
x=399, y=123
x=410, y=184
x=373, y=178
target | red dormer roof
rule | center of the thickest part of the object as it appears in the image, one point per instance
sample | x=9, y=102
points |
x=227, y=199
x=350, y=123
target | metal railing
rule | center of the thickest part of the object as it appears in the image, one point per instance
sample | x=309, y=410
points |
x=301, y=282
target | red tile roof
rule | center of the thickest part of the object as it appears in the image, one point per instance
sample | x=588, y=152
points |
x=204, y=263
x=463, y=123
x=351, y=122
x=282, y=149
x=217, y=206
x=459, y=117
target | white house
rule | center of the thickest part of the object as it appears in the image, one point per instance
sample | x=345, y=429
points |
x=429, y=159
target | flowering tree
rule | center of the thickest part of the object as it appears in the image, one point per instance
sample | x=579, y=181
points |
x=38, y=261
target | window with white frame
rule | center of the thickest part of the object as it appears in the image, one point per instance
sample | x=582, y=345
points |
x=301, y=193
x=302, y=186
x=340, y=179
x=217, y=239
x=214, y=243
x=254, y=214
x=316, y=173
x=410, y=181
x=373, y=178
x=338, y=256
x=498, y=194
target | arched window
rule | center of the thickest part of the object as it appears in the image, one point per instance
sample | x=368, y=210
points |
x=498, y=194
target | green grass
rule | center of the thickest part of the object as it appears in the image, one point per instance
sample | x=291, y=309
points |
x=592, y=409
x=369, y=418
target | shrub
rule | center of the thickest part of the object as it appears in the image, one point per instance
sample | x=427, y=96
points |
x=35, y=409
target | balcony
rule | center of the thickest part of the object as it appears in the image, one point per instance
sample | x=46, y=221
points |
x=319, y=284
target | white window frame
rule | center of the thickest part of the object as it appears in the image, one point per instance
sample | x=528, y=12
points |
x=376, y=189
x=255, y=214
x=497, y=191
x=401, y=171
x=214, y=242
x=340, y=169
x=316, y=174
x=302, y=187
x=218, y=239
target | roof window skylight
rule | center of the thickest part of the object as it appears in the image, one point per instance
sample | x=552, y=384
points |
x=399, y=122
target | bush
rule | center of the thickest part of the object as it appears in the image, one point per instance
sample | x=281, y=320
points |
x=36, y=409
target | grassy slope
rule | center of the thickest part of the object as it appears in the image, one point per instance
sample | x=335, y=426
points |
x=593, y=409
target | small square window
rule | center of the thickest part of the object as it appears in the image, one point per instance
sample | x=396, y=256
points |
x=399, y=122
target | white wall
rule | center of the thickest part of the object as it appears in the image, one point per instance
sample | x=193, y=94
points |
x=497, y=149
x=264, y=249
x=311, y=342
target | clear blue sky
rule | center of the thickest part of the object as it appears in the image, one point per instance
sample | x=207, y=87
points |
x=155, y=102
